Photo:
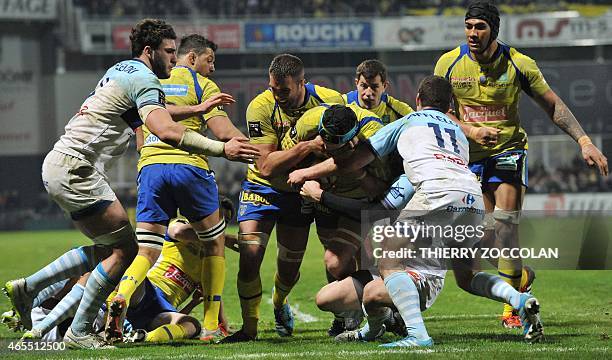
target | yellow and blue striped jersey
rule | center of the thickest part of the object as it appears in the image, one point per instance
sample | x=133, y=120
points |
x=489, y=94
x=177, y=271
x=184, y=87
x=389, y=109
x=307, y=128
x=268, y=123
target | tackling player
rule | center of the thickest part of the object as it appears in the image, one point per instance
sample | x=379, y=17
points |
x=171, y=178
x=266, y=200
x=488, y=78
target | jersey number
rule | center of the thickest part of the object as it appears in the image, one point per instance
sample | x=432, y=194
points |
x=440, y=140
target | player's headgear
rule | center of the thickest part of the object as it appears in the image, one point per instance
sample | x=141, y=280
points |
x=484, y=10
x=338, y=124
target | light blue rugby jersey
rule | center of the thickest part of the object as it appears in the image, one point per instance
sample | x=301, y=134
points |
x=101, y=130
x=434, y=150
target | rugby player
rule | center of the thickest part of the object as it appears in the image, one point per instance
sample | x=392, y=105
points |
x=74, y=174
x=488, y=78
x=371, y=93
x=266, y=200
x=172, y=179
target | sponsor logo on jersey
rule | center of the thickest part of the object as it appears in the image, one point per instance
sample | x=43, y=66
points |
x=484, y=113
x=468, y=199
x=175, y=89
x=181, y=279
x=253, y=198
x=151, y=139
x=254, y=129
x=451, y=159
x=462, y=82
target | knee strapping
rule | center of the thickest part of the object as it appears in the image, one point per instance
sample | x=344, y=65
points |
x=253, y=238
x=149, y=239
x=123, y=235
x=288, y=255
x=212, y=233
x=507, y=216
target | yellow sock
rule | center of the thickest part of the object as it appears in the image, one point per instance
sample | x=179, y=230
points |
x=167, y=332
x=281, y=291
x=134, y=276
x=250, y=298
x=213, y=279
x=511, y=271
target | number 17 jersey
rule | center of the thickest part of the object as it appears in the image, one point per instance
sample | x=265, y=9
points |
x=434, y=150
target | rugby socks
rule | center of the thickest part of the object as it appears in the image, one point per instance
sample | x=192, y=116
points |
x=134, y=276
x=213, y=279
x=98, y=287
x=250, y=298
x=167, y=332
x=49, y=292
x=510, y=270
x=281, y=291
x=73, y=263
x=63, y=310
x=405, y=297
x=495, y=288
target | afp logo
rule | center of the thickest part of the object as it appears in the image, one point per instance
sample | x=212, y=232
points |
x=468, y=199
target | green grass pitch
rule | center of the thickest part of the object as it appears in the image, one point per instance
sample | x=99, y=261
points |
x=576, y=310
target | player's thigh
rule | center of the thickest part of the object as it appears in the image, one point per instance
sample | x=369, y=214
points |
x=156, y=203
x=508, y=196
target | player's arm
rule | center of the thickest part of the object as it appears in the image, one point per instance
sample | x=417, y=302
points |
x=182, y=112
x=223, y=128
x=361, y=157
x=160, y=123
x=561, y=116
x=282, y=160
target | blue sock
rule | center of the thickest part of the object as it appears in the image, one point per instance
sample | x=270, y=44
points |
x=97, y=289
x=48, y=292
x=405, y=296
x=495, y=288
x=63, y=310
x=73, y=263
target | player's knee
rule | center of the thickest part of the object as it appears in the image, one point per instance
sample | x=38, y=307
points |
x=336, y=265
x=374, y=294
x=252, y=246
x=150, y=253
x=191, y=325
x=464, y=280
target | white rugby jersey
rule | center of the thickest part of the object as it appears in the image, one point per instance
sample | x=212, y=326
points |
x=435, y=151
x=101, y=130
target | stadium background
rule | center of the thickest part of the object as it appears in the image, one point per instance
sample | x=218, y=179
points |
x=53, y=51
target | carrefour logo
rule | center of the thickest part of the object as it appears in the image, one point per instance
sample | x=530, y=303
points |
x=312, y=34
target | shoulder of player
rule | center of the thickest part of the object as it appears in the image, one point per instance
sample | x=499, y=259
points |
x=328, y=95
x=263, y=102
x=521, y=60
x=398, y=103
x=449, y=56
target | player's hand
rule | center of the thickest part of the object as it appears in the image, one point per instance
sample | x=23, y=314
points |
x=317, y=145
x=239, y=149
x=297, y=178
x=214, y=101
x=311, y=190
x=485, y=135
x=593, y=156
